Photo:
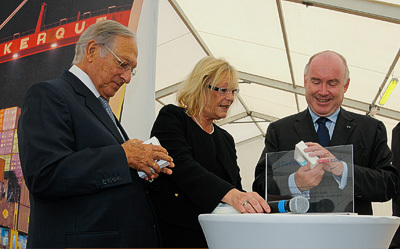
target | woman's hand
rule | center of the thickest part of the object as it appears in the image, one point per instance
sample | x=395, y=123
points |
x=246, y=202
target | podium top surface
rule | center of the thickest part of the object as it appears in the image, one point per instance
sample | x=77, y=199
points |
x=301, y=218
x=306, y=231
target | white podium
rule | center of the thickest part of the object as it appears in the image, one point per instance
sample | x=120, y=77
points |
x=292, y=231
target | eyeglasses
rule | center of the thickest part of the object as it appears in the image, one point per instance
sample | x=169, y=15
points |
x=122, y=64
x=223, y=91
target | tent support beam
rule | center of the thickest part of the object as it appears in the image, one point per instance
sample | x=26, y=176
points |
x=280, y=85
x=249, y=114
x=242, y=115
x=358, y=105
x=396, y=59
x=189, y=25
x=371, y=9
x=287, y=49
x=249, y=140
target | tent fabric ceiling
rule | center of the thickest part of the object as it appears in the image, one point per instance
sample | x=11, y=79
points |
x=269, y=42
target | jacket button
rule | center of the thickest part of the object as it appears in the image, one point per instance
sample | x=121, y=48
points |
x=104, y=182
x=109, y=180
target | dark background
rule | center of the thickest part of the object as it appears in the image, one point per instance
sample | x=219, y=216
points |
x=19, y=74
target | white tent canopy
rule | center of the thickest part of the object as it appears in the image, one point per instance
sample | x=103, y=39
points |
x=269, y=42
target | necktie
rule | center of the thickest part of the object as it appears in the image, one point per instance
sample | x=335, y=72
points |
x=322, y=132
x=106, y=106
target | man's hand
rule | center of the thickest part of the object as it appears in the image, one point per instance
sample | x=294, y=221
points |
x=143, y=157
x=329, y=161
x=307, y=178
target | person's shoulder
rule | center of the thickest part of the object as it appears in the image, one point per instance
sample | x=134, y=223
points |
x=52, y=85
x=359, y=118
x=222, y=130
x=397, y=127
x=172, y=109
x=364, y=122
x=291, y=118
x=55, y=83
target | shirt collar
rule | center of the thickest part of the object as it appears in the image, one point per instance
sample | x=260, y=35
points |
x=333, y=117
x=75, y=70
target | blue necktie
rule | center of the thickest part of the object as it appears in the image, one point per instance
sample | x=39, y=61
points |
x=106, y=106
x=323, y=133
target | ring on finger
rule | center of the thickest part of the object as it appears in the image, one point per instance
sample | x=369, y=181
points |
x=244, y=204
x=154, y=164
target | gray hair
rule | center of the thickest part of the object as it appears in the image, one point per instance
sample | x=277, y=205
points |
x=103, y=32
x=347, y=73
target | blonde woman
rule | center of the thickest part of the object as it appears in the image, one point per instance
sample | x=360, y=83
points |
x=206, y=171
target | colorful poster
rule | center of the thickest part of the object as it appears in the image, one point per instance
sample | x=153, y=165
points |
x=37, y=39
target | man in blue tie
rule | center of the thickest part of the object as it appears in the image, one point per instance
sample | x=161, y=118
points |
x=78, y=162
x=325, y=123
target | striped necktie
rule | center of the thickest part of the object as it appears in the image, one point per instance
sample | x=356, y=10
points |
x=107, y=107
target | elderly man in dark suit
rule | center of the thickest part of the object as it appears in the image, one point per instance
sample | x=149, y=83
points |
x=326, y=79
x=78, y=162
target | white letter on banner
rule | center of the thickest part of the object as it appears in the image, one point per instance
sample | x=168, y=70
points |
x=77, y=30
x=41, y=38
x=60, y=33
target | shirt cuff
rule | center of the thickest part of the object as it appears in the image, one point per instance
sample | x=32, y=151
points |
x=294, y=190
x=342, y=180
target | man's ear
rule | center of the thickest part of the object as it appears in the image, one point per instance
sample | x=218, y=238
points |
x=91, y=50
x=305, y=81
x=346, y=85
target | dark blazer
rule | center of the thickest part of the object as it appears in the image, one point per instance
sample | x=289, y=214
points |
x=82, y=192
x=375, y=178
x=205, y=170
x=396, y=199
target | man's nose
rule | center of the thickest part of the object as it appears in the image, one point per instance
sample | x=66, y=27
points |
x=126, y=76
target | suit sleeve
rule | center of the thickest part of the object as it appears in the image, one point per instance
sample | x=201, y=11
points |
x=199, y=185
x=376, y=179
x=52, y=165
x=271, y=145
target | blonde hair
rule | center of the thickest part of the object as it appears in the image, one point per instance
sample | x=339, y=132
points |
x=194, y=92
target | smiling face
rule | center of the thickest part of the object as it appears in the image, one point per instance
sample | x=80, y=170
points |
x=218, y=105
x=325, y=84
x=104, y=71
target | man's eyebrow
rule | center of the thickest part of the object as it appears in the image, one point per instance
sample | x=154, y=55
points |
x=334, y=81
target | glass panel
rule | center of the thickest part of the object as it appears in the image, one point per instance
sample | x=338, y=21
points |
x=330, y=194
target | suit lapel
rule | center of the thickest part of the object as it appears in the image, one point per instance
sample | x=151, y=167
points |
x=343, y=128
x=94, y=105
x=304, y=125
x=121, y=129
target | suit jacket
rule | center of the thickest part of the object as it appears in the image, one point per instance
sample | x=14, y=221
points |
x=396, y=199
x=205, y=170
x=82, y=192
x=375, y=178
